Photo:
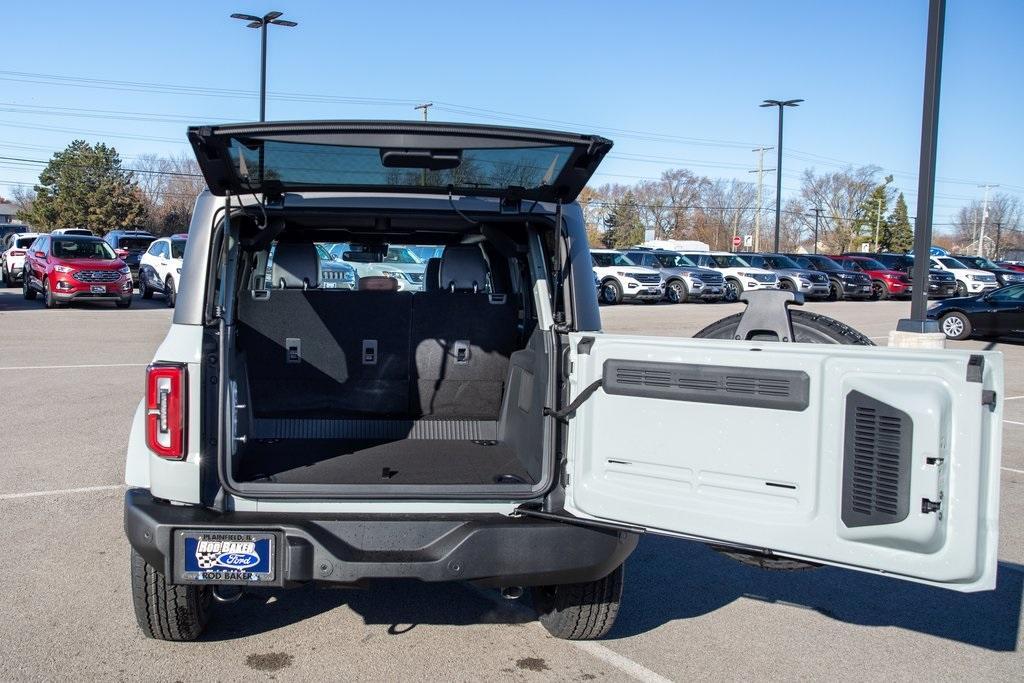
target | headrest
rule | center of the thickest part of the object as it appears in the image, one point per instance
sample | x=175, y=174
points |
x=463, y=268
x=296, y=266
x=432, y=276
x=378, y=283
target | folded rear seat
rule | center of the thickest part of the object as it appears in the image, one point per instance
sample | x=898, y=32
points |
x=462, y=338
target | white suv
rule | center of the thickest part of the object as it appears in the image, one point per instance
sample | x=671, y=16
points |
x=291, y=433
x=623, y=280
x=968, y=280
x=160, y=268
x=12, y=261
x=739, y=275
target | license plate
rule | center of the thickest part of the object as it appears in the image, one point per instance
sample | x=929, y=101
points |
x=653, y=290
x=715, y=290
x=866, y=288
x=98, y=289
x=241, y=557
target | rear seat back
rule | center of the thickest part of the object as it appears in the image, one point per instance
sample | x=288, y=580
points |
x=329, y=353
x=462, y=339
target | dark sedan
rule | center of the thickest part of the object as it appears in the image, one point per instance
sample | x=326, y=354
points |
x=996, y=313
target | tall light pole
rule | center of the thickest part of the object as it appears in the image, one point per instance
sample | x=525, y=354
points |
x=781, y=104
x=262, y=23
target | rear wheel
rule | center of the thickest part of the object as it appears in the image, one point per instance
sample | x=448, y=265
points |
x=879, y=290
x=808, y=328
x=580, y=611
x=677, y=292
x=611, y=293
x=26, y=290
x=165, y=611
x=170, y=295
x=955, y=325
x=144, y=291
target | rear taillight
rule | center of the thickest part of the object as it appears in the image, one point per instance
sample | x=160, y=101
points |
x=17, y=252
x=166, y=409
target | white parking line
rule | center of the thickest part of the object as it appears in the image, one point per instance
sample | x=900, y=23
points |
x=1013, y=422
x=1010, y=469
x=1012, y=398
x=65, y=367
x=59, y=492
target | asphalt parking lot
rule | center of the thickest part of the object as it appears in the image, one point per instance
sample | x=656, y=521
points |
x=69, y=382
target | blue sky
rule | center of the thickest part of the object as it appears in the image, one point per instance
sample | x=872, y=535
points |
x=675, y=84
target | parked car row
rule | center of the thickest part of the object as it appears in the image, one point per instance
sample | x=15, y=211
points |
x=72, y=264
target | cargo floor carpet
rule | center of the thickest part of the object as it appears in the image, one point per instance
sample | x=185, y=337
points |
x=405, y=461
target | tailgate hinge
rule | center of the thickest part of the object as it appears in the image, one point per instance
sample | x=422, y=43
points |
x=577, y=521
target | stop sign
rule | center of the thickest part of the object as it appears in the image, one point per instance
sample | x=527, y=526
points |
x=736, y=241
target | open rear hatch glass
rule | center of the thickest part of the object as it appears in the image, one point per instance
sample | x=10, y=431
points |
x=396, y=156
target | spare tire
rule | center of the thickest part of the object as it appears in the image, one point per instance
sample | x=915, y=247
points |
x=808, y=328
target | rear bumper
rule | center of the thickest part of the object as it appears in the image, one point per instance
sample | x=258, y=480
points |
x=488, y=549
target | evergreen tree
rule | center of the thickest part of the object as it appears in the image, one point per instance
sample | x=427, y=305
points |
x=897, y=234
x=871, y=216
x=85, y=186
x=622, y=226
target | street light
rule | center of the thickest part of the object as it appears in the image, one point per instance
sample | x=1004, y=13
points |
x=262, y=23
x=781, y=104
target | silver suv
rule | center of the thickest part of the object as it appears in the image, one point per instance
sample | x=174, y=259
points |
x=483, y=429
x=684, y=279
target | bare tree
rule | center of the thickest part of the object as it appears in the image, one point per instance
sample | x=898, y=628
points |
x=168, y=187
x=840, y=196
x=1005, y=223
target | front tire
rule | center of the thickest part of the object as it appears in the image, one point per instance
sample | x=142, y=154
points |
x=879, y=290
x=611, y=293
x=144, y=291
x=677, y=292
x=48, y=298
x=955, y=325
x=961, y=289
x=580, y=611
x=733, y=289
x=785, y=285
x=835, y=291
x=165, y=611
x=7, y=277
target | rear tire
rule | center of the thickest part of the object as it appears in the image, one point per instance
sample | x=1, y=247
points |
x=955, y=325
x=611, y=293
x=580, y=611
x=7, y=277
x=170, y=296
x=165, y=611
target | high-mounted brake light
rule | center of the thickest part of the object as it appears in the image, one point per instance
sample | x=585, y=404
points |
x=166, y=409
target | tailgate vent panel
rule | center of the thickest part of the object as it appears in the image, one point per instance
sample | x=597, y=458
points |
x=876, y=462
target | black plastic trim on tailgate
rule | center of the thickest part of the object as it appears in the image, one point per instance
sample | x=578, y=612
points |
x=719, y=384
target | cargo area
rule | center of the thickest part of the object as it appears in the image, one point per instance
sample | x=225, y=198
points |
x=374, y=387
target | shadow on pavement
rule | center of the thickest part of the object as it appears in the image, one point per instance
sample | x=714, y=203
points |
x=400, y=605
x=667, y=580
x=11, y=300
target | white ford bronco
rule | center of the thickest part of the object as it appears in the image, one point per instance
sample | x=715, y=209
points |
x=485, y=429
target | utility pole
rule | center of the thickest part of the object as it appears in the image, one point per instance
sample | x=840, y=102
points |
x=425, y=106
x=817, y=215
x=760, y=174
x=984, y=215
x=999, y=234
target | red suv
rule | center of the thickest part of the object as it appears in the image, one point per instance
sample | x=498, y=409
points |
x=66, y=268
x=885, y=283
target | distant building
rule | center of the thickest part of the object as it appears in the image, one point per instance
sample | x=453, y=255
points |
x=7, y=212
